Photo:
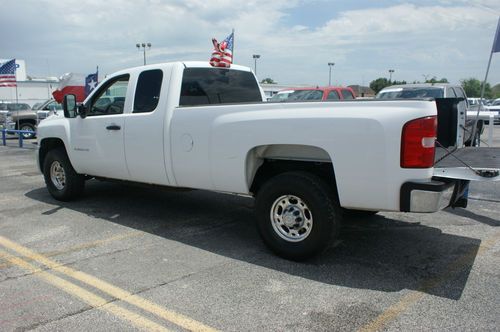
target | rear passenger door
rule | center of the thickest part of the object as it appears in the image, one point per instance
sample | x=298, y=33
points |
x=145, y=131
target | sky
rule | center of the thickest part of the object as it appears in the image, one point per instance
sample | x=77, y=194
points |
x=296, y=39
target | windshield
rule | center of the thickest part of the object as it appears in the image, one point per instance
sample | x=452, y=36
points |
x=306, y=95
x=407, y=93
x=281, y=96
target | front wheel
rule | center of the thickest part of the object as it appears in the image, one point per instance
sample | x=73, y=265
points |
x=298, y=214
x=62, y=181
x=28, y=127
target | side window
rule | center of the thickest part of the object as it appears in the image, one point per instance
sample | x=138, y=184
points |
x=333, y=95
x=450, y=93
x=459, y=92
x=147, y=93
x=347, y=95
x=110, y=99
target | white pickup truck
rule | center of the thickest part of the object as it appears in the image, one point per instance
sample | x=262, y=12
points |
x=189, y=125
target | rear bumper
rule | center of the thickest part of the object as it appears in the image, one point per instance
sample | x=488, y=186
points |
x=428, y=197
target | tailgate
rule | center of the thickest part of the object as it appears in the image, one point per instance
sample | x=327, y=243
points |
x=475, y=164
x=452, y=160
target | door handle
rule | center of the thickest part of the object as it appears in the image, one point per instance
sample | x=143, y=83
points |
x=113, y=127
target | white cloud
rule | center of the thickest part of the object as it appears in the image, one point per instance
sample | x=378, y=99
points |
x=443, y=38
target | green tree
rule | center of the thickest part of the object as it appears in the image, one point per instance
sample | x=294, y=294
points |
x=435, y=80
x=495, y=91
x=268, y=81
x=382, y=82
x=379, y=84
x=472, y=88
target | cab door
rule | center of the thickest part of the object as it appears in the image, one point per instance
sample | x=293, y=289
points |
x=146, y=135
x=97, y=140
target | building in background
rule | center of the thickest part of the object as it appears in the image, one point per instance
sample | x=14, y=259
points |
x=29, y=90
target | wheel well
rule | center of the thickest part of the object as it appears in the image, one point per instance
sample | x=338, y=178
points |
x=273, y=167
x=30, y=121
x=46, y=145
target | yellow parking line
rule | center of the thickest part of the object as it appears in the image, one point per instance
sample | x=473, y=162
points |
x=87, y=245
x=86, y=296
x=116, y=292
x=411, y=298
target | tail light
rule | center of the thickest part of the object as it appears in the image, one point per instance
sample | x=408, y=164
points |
x=418, y=143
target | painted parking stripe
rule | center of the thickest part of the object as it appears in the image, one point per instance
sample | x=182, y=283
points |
x=116, y=292
x=412, y=297
x=87, y=245
x=86, y=296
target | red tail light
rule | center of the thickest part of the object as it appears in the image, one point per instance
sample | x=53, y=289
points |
x=417, y=143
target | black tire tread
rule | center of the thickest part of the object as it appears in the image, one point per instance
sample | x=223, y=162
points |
x=75, y=183
x=330, y=204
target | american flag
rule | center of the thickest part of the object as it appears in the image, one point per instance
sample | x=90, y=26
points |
x=222, y=55
x=8, y=74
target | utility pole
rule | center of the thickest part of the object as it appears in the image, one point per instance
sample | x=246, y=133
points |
x=391, y=71
x=143, y=45
x=255, y=57
x=330, y=66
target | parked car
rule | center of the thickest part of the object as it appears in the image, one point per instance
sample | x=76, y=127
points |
x=330, y=93
x=44, y=109
x=437, y=90
x=18, y=116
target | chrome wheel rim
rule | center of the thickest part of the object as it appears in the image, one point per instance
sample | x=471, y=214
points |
x=26, y=135
x=57, y=175
x=291, y=218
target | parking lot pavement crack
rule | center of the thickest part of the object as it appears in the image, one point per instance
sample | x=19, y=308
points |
x=49, y=321
x=179, y=278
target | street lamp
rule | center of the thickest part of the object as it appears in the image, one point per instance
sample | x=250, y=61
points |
x=143, y=45
x=255, y=57
x=390, y=74
x=330, y=65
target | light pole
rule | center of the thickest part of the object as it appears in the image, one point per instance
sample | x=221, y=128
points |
x=390, y=74
x=143, y=45
x=255, y=57
x=330, y=66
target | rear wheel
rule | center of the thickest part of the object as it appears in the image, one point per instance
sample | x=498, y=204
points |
x=298, y=214
x=62, y=181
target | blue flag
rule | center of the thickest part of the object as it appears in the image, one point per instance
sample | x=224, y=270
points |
x=496, y=42
x=90, y=83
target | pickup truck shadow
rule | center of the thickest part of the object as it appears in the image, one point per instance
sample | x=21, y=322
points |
x=378, y=253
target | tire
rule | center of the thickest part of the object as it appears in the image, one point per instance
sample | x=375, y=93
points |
x=62, y=181
x=298, y=215
x=30, y=127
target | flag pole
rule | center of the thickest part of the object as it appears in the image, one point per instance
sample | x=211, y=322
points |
x=232, y=51
x=17, y=98
x=483, y=87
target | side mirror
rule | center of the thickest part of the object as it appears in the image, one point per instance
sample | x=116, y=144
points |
x=69, y=106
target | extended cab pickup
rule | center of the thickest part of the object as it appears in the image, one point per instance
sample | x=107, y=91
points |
x=189, y=125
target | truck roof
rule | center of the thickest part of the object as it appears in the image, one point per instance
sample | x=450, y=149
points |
x=186, y=64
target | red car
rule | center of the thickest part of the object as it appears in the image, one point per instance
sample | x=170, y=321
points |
x=312, y=94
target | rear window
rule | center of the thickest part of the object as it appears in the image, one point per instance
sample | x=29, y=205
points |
x=404, y=93
x=205, y=86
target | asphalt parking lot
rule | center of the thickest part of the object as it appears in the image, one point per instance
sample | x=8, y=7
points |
x=132, y=258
